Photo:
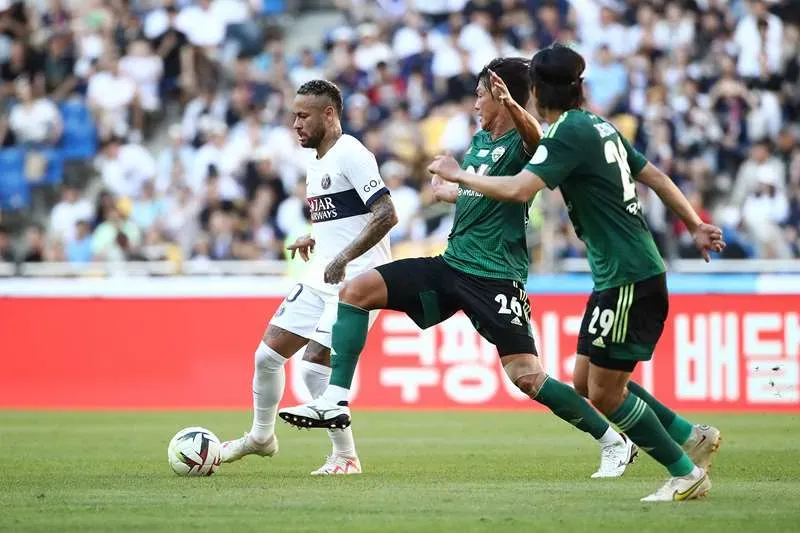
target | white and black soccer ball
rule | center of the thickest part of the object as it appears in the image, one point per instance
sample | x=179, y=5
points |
x=194, y=451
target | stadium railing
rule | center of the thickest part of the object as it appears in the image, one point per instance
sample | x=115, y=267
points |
x=278, y=268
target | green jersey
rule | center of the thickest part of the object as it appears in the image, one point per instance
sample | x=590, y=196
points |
x=488, y=236
x=594, y=166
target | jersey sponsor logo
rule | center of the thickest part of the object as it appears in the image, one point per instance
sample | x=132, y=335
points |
x=336, y=206
x=469, y=192
x=539, y=156
x=497, y=153
x=633, y=208
x=371, y=185
x=605, y=129
x=326, y=182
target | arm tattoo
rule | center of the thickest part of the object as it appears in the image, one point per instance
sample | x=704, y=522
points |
x=383, y=219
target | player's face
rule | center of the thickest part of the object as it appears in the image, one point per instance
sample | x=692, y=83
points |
x=310, y=117
x=486, y=106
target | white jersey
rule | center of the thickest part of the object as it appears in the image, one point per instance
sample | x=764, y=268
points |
x=340, y=188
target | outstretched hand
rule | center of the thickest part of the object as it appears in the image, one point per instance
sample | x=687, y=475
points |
x=446, y=167
x=499, y=89
x=304, y=245
x=707, y=239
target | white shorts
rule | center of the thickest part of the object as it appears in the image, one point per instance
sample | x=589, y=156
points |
x=310, y=313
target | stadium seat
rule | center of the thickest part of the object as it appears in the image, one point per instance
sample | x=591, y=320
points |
x=12, y=160
x=79, y=141
x=273, y=7
x=15, y=193
x=55, y=167
x=75, y=110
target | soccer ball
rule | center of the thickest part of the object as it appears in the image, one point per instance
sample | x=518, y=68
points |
x=194, y=451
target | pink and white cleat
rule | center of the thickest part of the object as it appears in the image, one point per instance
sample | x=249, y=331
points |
x=337, y=464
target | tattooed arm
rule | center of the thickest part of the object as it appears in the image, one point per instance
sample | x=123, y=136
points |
x=383, y=219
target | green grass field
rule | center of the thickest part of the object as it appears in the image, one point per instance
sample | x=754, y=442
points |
x=435, y=472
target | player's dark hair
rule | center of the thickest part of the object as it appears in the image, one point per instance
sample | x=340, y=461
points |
x=326, y=89
x=555, y=74
x=514, y=72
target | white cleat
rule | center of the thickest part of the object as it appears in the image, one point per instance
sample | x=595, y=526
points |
x=233, y=450
x=319, y=413
x=679, y=489
x=615, y=458
x=338, y=465
x=702, y=445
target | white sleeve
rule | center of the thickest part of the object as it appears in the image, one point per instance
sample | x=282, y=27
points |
x=361, y=170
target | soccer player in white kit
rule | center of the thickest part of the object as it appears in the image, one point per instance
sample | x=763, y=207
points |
x=351, y=215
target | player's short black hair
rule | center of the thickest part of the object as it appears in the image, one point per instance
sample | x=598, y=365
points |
x=556, y=74
x=324, y=88
x=514, y=72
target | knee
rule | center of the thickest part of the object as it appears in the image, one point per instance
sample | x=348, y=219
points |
x=581, y=387
x=605, y=399
x=267, y=359
x=531, y=383
x=358, y=292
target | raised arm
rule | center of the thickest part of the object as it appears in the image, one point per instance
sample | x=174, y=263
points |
x=519, y=188
x=528, y=127
x=707, y=237
x=384, y=218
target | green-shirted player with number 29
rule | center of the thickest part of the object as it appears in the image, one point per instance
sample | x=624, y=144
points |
x=482, y=273
x=595, y=167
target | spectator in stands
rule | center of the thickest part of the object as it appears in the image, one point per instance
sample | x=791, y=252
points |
x=110, y=95
x=760, y=163
x=174, y=161
x=758, y=37
x=406, y=200
x=171, y=45
x=145, y=68
x=764, y=210
x=290, y=212
x=215, y=159
x=60, y=80
x=6, y=250
x=125, y=167
x=221, y=232
x=34, y=122
x=371, y=50
x=606, y=80
x=203, y=27
x=306, y=70
x=35, y=245
x=22, y=63
x=79, y=249
x=117, y=238
x=148, y=209
x=68, y=212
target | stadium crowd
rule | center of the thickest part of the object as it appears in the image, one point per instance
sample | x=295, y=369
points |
x=190, y=105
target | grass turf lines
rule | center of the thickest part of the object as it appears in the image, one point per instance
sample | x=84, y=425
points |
x=427, y=471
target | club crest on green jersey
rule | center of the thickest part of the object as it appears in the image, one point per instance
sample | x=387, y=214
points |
x=497, y=153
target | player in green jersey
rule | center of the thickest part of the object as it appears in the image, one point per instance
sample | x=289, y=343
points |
x=482, y=273
x=595, y=168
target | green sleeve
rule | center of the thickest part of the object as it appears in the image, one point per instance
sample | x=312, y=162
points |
x=636, y=161
x=556, y=156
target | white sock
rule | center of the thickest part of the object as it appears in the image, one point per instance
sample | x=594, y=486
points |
x=336, y=394
x=610, y=437
x=316, y=378
x=269, y=379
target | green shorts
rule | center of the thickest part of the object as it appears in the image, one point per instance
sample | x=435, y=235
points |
x=621, y=326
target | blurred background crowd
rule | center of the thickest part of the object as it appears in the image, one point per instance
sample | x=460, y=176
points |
x=161, y=129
